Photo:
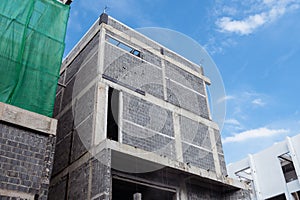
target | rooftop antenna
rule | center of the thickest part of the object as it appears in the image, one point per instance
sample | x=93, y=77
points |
x=105, y=9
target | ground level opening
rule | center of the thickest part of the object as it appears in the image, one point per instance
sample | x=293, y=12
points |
x=125, y=190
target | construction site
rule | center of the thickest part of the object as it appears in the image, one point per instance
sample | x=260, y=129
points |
x=123, y=117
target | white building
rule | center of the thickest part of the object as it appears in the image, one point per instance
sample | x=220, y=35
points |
x=273, y=174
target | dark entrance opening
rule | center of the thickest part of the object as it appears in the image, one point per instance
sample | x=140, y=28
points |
x=112, y=114
x=124, y=190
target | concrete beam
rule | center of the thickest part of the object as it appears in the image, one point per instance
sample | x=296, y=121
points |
x=15, y=194
x=18, y=116
x=155, y=158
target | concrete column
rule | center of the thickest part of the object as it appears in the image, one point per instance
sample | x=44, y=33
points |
x=255, y=179
x=101, y=50
x=295, y=159
x=182, y=191
x=178, y=142
x=215, y=151
x=163, y=67
x=296, y=163
x=137, y=196
x=101, y=114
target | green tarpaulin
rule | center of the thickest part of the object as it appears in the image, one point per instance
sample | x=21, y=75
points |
x=32, y=34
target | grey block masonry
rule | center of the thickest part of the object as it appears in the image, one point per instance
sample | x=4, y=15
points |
x=27, y=142
x=163, y=120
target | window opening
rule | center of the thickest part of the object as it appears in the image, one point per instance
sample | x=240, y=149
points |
x=246, y=176
x=124, y=46
x=287, y=167
x=113, y=114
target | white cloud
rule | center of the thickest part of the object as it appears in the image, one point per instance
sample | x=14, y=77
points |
x=242, y=27
x=225, y=98
x=258, y=102
x=254, y=133
x=232, y=122
x=229, y=10
x=270, y=10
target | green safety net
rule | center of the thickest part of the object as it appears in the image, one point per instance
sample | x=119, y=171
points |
x=32, y=34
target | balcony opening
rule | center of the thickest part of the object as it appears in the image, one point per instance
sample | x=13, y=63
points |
x=127, y=189
x=113, y=114
x=287, y=167
x=246, y=176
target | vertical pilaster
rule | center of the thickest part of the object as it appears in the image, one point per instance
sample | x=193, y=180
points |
x=178, y=142
x=215, y=151
x=101, y=114
x=163, y=67
x=101, y=50
x=102, y=93
x=182, y=191
x=295, y=159
x=295, y=162
x=255, y=179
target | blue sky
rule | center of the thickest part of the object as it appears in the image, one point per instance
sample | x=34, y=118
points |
x=254, y=43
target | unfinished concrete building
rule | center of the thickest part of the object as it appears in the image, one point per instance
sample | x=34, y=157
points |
x=134, y=123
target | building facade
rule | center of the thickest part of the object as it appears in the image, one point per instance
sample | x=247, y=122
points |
x=134, y=123
x=272, y=173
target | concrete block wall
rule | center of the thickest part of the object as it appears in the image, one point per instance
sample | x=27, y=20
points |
x=75, y=106
x=76, y=173
x=163, y=79
x=90, y=179
x=186, y=90
x=133, y=71
x=26, y=153
x=150, y=133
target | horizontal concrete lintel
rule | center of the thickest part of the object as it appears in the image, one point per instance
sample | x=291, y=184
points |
x=155, y=158
x=16, y=194
x=18, y=116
